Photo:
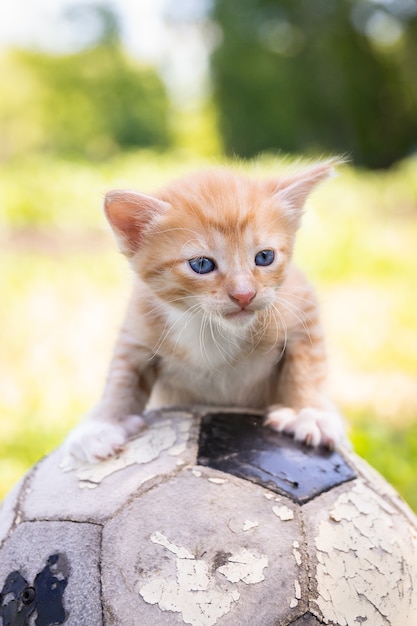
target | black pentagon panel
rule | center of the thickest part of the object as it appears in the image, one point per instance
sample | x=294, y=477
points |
x=21, y=602
x=239, y=444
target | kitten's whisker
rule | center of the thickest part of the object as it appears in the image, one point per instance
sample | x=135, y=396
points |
x=285, y=329
x=266, y=322
x=219, y=347
x=233, y=340
x=257, y=332
x=200, y=338
x=170, y=326
x=293, y=295
x=163, y=304
x=229, y=338
x=193, y=311
x=203, y=349
x=298, y=314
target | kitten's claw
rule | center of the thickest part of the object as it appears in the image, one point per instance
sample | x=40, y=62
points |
x=312, y=426
x=93, y=441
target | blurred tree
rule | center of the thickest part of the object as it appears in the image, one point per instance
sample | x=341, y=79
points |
x=93, y=23
x=90, y=103
x=305, y=76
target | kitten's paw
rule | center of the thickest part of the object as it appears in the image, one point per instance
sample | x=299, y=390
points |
x=312, y=426
x=93, y=441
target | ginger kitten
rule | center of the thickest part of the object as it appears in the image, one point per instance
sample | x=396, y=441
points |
x=219, y=315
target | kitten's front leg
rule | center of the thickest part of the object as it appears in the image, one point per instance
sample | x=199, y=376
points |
x=94, y=440
x=303, y=409
x=117, y=417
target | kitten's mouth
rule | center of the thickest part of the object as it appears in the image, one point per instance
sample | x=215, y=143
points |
x=240, y=314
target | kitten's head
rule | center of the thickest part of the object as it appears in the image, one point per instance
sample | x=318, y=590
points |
x=216, y=242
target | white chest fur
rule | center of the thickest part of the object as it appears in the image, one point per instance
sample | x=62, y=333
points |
x=204, y=361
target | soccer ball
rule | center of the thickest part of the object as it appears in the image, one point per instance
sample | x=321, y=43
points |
x=208, y=518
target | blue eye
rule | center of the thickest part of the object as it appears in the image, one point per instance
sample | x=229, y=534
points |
x=266, y=257
x=202, y=265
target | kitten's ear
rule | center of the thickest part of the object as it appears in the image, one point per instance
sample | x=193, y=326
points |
x=292, y=191
x=129, y=213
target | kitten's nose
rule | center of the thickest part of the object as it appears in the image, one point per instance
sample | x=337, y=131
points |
x=242, y=298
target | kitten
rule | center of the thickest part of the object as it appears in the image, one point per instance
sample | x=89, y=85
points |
x=218, y=315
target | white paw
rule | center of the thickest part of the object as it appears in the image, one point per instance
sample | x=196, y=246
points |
x=93, y=441
x=312, y=426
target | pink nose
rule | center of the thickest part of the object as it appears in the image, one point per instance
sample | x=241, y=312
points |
x=242, y=298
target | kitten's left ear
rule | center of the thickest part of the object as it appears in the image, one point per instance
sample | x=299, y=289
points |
x=292, y=191
x=129, y=214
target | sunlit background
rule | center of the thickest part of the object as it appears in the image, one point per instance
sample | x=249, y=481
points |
x=97, y=95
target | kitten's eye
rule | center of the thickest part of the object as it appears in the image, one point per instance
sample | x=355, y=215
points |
x=202, y=265
x=266, y=257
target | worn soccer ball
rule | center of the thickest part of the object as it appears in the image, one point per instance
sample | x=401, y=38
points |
x=208, y=519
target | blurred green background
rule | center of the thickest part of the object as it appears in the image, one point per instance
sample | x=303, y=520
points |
x=95, y=96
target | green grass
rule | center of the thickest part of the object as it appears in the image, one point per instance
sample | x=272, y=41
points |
x=392, y=450
x=63, y=289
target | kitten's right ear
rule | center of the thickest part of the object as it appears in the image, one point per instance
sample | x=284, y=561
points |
x=129, y=213
x=292, y=191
